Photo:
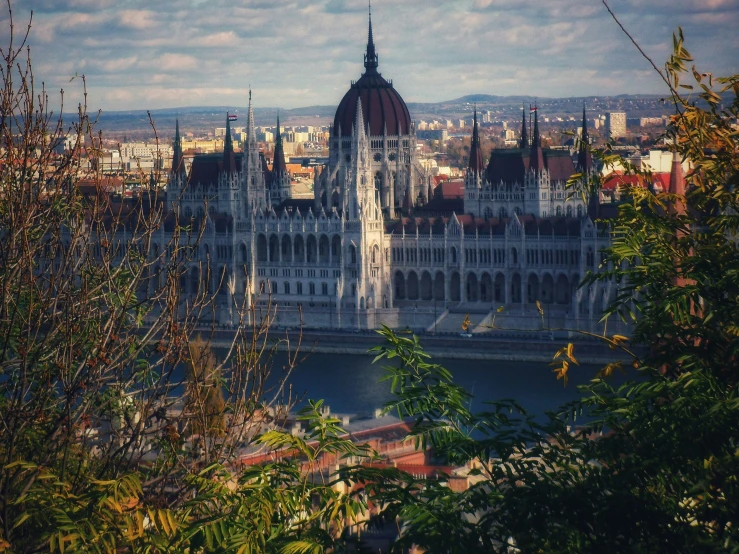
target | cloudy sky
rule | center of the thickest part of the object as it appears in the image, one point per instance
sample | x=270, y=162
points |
x=148, y=54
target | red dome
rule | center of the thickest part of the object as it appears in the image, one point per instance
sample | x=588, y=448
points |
x=382, y=107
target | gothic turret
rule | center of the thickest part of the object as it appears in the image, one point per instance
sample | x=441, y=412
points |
x=178, y=161
x=280, y=178
x=536, y=159
x=371, y=60
x=584, y=158
x=476, y=163
x=229, y=159
x=252, y=167
x=524, y=142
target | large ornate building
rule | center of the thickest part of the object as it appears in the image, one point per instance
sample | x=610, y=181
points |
x=358, y=255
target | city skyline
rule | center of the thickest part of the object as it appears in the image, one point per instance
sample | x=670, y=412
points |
x=189, y=53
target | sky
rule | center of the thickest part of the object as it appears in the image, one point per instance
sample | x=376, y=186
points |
x=151, y=54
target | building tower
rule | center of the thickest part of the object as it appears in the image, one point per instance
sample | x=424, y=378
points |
x=252, y=169
x=524, y=142
x=177, y=180
x=585, y=167
x=473, y=180
x=396, y=174
x=279, y=181
x=537, y=193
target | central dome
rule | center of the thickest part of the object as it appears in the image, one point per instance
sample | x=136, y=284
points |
x=382, y=106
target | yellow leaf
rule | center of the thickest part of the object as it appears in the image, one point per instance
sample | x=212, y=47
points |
x=561, y=372
x=500, y=309
x=571, y=353
x=538, y=307
x=466, y=322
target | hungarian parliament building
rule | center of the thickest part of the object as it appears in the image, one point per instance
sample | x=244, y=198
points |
x=375, y=246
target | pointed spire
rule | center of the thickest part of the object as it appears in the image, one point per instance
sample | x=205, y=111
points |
x=370, y=58
x=178, y=163
x=250, y=133
x=476, y=164
x=359, y=122
x=229, y=159
x=279, y=167
x=536, y=159
x=524, y=142
x=584, y=158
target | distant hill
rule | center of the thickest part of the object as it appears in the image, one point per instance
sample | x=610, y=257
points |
x=200, y=118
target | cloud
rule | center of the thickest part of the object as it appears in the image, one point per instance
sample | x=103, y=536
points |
x=138, y=54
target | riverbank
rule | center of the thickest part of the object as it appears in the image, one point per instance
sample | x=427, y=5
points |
x=531, y=347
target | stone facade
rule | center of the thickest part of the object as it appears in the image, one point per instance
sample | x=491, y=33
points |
x=357, y=256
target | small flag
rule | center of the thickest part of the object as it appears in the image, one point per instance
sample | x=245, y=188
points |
x=532, y=108
x=232, y=117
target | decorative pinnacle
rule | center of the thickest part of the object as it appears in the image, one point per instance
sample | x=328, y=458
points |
x=370, y=58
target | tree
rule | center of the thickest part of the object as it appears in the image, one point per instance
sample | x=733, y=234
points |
x=94, y=338
x=647, y=466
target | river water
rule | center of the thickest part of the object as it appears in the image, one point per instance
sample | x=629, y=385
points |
x=351, y=383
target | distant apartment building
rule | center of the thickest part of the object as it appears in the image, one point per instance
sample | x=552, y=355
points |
x=143, y=150
x=644, y=121
x=616, y=124
x=220, y=132
x=433, y=134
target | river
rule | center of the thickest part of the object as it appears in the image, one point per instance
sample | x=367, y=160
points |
x=351, y=383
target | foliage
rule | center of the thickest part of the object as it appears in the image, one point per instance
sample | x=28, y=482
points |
x=647, y=466
x=95, y=331
x=97, y=452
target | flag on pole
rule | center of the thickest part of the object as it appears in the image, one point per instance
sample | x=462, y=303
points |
x=532, y=108
x=232, y=117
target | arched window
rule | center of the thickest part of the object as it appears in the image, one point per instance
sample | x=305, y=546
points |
x=287, y=287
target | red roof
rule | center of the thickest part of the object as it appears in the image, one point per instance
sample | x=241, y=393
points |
x=382, y=107
x=451, y=189
x=615, y=179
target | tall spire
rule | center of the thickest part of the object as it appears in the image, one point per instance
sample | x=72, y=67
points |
x=278, y=163
x=476, y=163
x=536, y=160
x=251, y=135
x=524, y=143
x=584, y=158
x=178, y=163
x=229, y=159
x=370, y=58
